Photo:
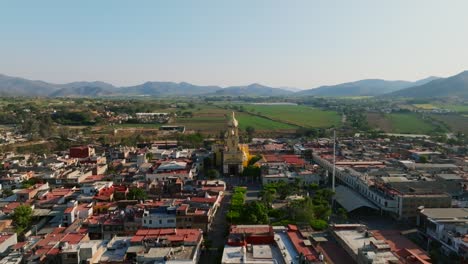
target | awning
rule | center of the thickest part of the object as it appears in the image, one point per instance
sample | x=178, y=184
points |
x=351, y=200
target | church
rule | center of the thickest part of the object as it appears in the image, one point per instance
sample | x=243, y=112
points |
x=233, y=155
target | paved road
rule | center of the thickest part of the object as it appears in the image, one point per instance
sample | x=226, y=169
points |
x=253, y=190
x=219, y=227
x=217, y=234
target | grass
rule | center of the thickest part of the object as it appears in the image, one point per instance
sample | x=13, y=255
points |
x=203, y=123
x=456, y=123
x=407, y=123
x=457, y=108
x=274, y=118
x=260, y=123
x=212, y=118
x=296, y=115
x=218, y=123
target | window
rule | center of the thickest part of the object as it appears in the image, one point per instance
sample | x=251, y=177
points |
x=160, y=222
x=150, y=222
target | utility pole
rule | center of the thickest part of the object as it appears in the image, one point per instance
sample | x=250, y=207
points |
x=334, y=160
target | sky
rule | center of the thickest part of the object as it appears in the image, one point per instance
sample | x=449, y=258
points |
x=301, y=44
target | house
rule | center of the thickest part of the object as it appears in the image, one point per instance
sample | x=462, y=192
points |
x=448, y=226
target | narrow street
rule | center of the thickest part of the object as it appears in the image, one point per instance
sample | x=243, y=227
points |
x=217, y=234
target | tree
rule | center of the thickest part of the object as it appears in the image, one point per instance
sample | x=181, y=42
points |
x=136, y=194
x=301, y=210
x=254, y=160
x=149, y=156
x=250, y=132
x=318, y=224
x=322, y=211
x=212, y=174
x=267, y=196
x=314, y=186
x=342, y=214
x=22, y=217
x=423, y=159
x=255, y=213
x=7, y=192
x=323, y=195
x=252, y=171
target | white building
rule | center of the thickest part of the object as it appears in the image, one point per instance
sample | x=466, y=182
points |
x=161, y=217
x=449, y=226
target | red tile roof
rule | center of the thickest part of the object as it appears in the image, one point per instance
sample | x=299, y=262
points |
x=4, y=237
x=19, y=245
x=250, y=229
x=68, y=210
x=171, y=234
x=73, y=238
x=204, y=200
x=298, y=241
x=402, y=246
x=10, y=207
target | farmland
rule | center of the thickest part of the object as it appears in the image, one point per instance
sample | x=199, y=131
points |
x=260, y=123
x=425, y=106
x=400, y=123
x=455, y=107
x=261, y=117
x=213, y=118
x=296, y=115
x=456, y=123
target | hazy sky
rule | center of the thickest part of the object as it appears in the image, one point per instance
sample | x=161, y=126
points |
x=278, y=43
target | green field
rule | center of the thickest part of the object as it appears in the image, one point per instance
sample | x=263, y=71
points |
x=456, y=123
x=409, y=123
x=457, y=108
x=214, y=122
x=406, y=123
x=260, y=123
x=263, y=118
x=298, y=115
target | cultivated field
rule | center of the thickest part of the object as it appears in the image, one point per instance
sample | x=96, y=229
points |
x=213, y=119
x=457, y=108
x=400, y=123
x=297, y=115
x=425, y=106
x=456, y=123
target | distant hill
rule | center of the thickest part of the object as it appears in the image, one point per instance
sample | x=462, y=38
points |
x=455, y=86
x=97, y=84
x=14, y=86
x=253, y=90
x=167, y=89
x=292, y=89
x=368, y=87
x=82, y=91
x=430, y=87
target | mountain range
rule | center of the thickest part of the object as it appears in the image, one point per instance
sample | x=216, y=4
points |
x=368, y=87
x=456, y=85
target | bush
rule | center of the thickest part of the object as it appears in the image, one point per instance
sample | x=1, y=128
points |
x=318, y=224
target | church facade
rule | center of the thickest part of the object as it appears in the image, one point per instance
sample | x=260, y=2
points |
x=234, y=155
